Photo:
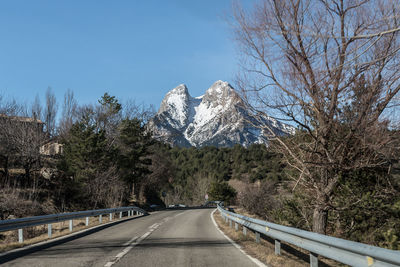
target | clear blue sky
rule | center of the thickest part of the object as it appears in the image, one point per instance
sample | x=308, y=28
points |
x=129, y=48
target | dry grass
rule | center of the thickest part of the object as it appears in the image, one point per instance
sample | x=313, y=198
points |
x=14, y=171
x=265, y=250
x=36, y=234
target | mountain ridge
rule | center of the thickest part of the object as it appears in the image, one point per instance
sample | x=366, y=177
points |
x=218, y=118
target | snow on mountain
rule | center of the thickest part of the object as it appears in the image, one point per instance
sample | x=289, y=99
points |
x=218, y=118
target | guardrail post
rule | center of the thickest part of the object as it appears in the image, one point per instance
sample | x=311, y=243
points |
x=87, y=221
x=313, y=260
x=120, y=214
x=277, y=247
x=111, y=215
x=245, y=230
x=20, y=235
x=71, y=225
x=100, y=218
x=236, y=226
x=230, y=223
x=49, y=230
x=257, y=237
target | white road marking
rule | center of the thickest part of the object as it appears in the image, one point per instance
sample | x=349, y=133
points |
x=259, y=263
x=133, y=242
x=130, y=241
x=178, y=214
x=154, y=225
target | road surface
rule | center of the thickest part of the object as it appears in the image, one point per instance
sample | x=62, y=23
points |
x=164, y=238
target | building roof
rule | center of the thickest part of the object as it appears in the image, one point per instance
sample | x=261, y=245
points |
x=21, y=119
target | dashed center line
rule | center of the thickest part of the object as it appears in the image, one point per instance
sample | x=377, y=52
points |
x=135, y=241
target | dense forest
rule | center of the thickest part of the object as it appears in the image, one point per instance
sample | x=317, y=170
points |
x=109, y=159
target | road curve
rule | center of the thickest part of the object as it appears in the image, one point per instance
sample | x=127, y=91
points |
x=165, y=238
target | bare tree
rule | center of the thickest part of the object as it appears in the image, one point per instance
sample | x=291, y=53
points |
x=10, y=107
x=36, y=109
x=7, y=108
x=133, y=110
x=21, y=138
x=50, y=112
x=330, y=67
x=105, y=189
x=69, y=112
x=200, y=188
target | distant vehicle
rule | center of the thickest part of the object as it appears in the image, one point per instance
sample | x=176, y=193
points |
x=155, y=207
x=176, y=206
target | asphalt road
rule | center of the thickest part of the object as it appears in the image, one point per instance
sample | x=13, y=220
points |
x=164, y=238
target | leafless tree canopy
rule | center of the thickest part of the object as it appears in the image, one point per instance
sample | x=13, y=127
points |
x=37, y=109
x=133, y=110
x=10, y=107
x=50, y=112
x=20, y=139
x=69, y=112
x=331, y=67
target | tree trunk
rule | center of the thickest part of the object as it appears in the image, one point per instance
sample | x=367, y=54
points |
x=320, y=218
x=141, y=194
x=27, y=174
x=133, y=196
x=5, y=169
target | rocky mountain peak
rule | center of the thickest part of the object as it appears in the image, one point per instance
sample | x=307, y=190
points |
x=180, y=89
x=220, y=93
x=217, y=118
x=175, y=105
x=175, y=98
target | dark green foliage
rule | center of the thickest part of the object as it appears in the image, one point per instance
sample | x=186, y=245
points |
x=199, y=167
x=222, y=191
x=110, y=103
x=295, y=211
x=133, y=160
x=86, y=156
x=85, y=151
x=367, y=209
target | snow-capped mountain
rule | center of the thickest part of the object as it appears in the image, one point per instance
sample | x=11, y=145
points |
x=217, y=118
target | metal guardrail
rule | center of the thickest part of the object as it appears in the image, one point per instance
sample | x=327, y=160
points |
x=21, y=223
x=341, y=250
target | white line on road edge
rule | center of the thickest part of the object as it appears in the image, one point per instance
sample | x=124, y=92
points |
x=259, y=263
